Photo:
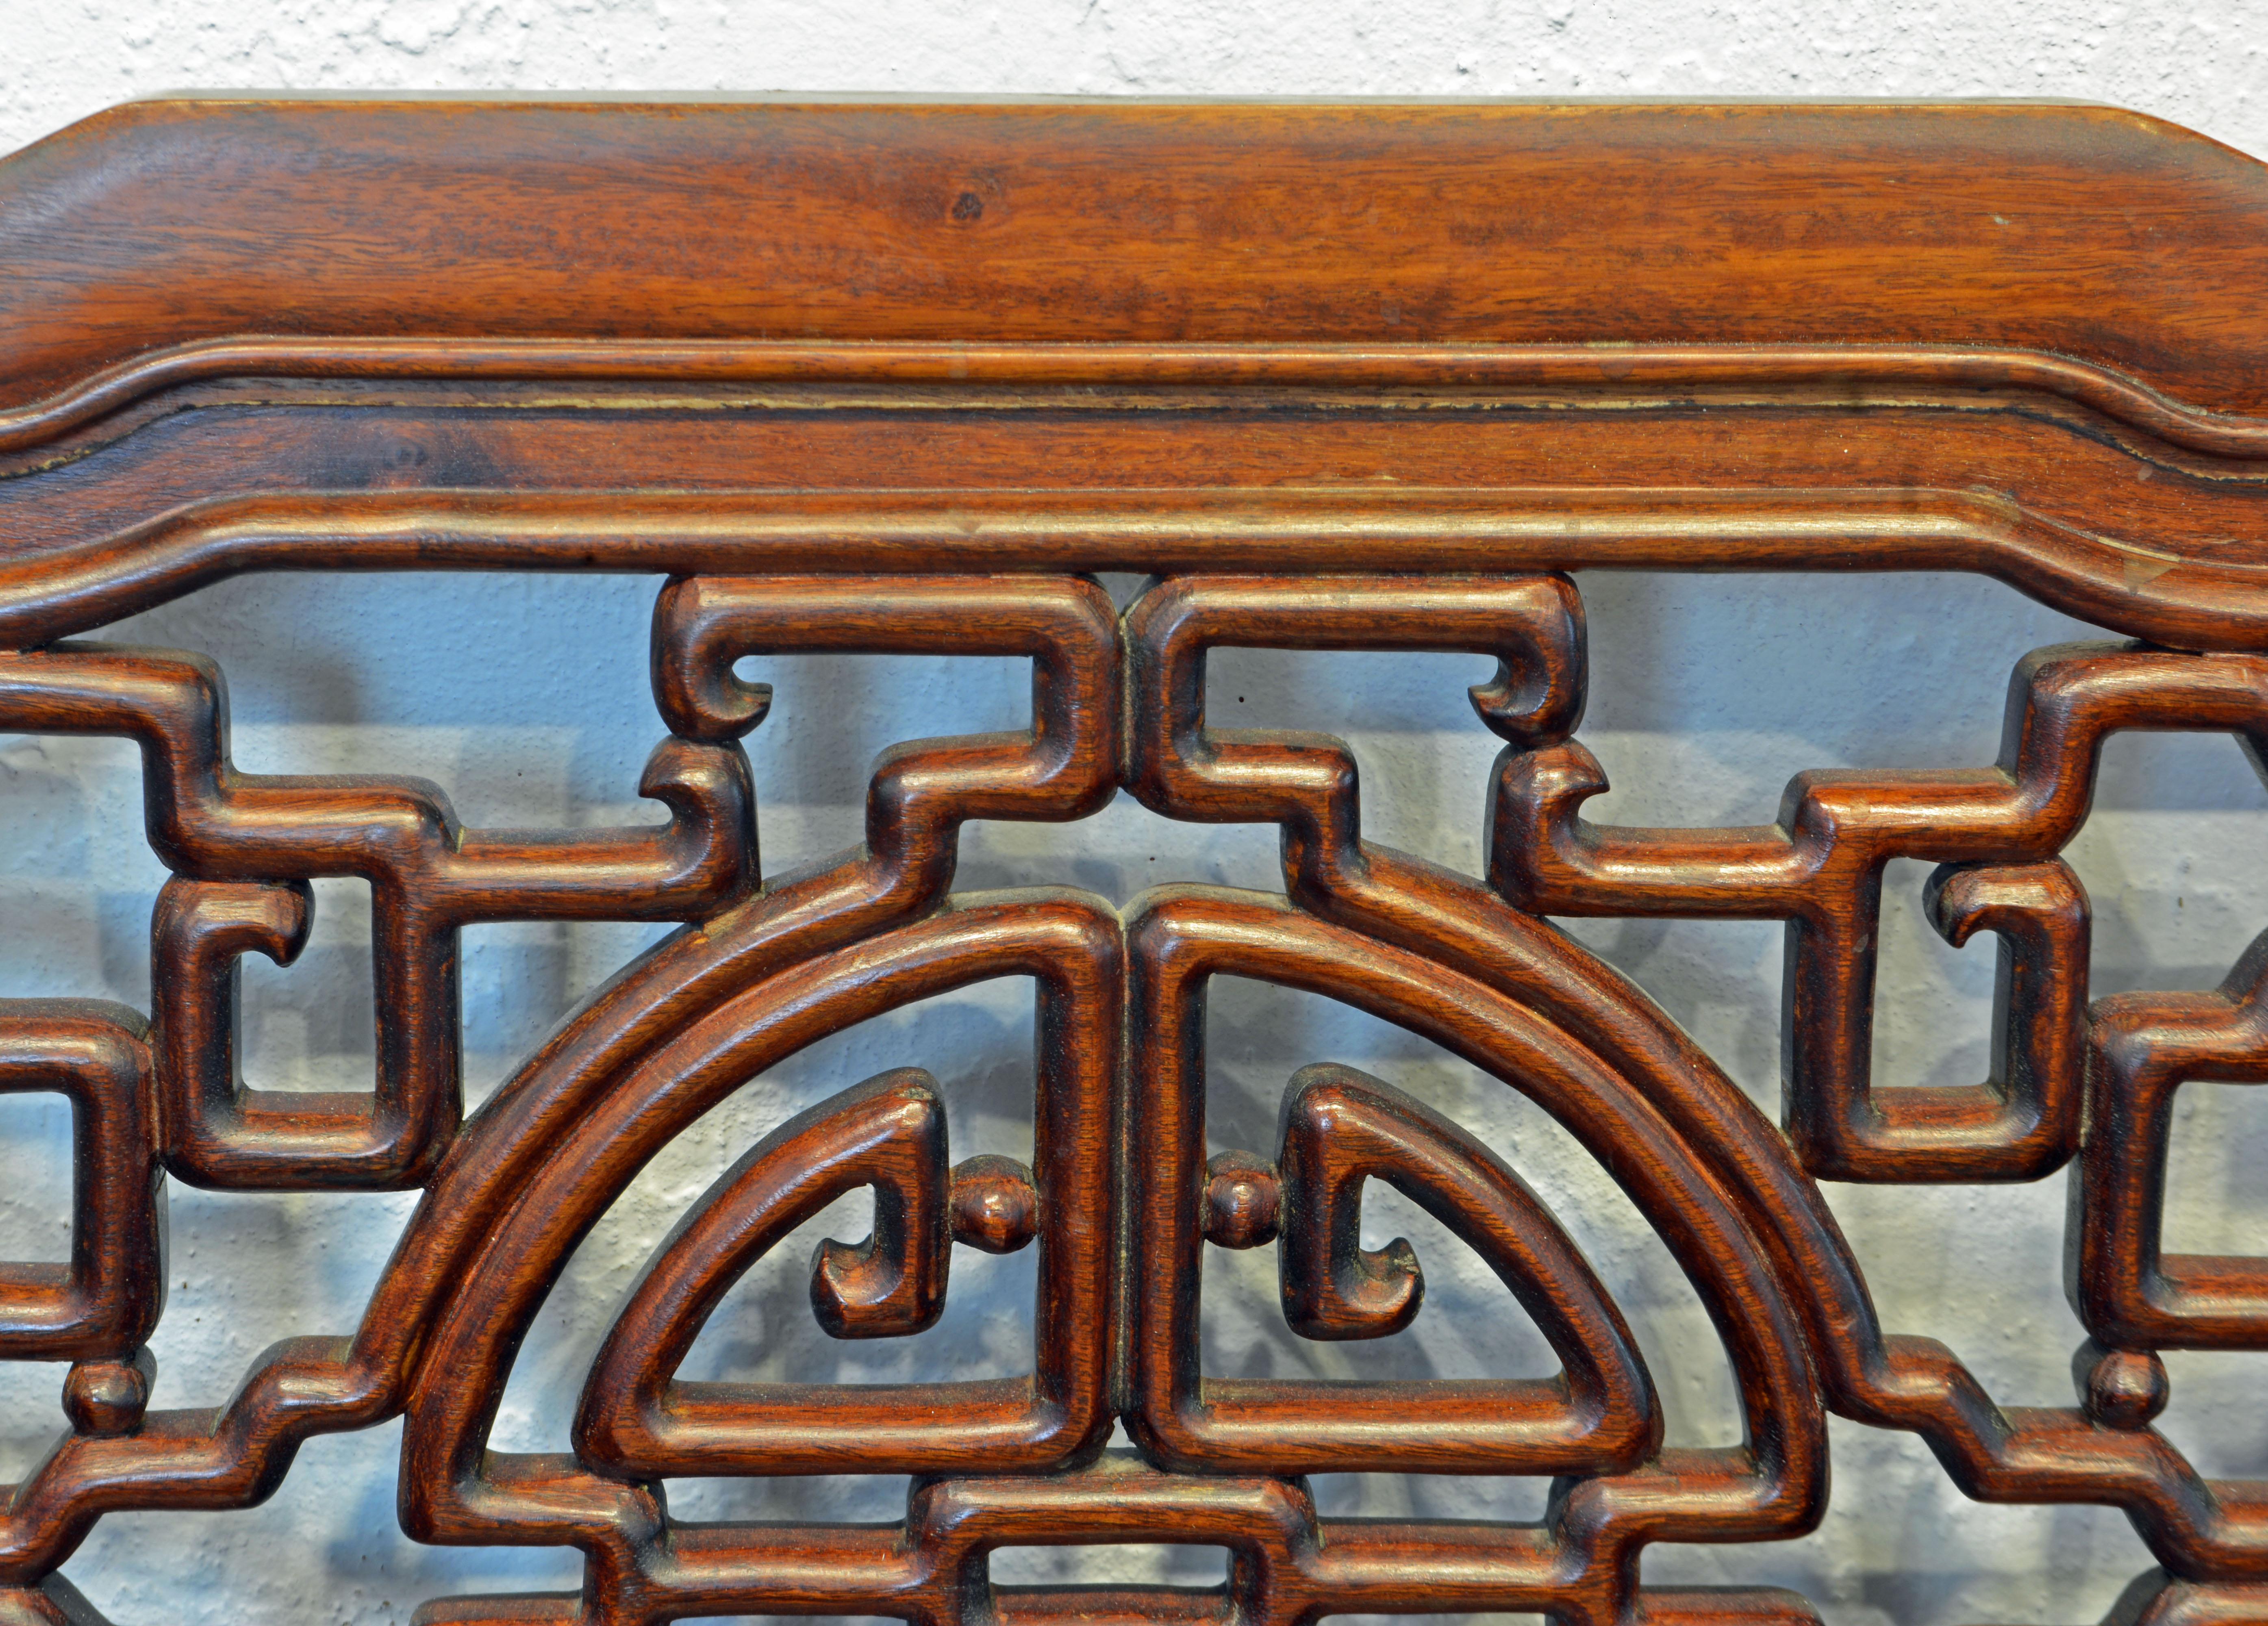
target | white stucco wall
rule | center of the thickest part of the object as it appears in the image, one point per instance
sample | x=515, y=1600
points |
x=526, y=698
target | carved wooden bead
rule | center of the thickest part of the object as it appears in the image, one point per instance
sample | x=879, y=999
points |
x=106, y=1399
x=995, y=1208
x=2124, y=1388
x=1244, y=1201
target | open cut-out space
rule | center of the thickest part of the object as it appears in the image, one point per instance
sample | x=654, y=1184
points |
x=2170, y=858
x=1438, y=1619
x=831, y=715
x=1709, y=693
x=2217, y=1172
x=77, y=878
x=1719, y=980
x=978, y=1044
x=525, y=697
x=2012, y=1565
x=2215, y=1416
x=1519, y=1499
x=245, y=1268
x=1120, y=852
x=1976, y=1267
x=337, y=1504
x=1257, y=1036
x=819, y=1499
x=312, y=1024
x=1932, y=1002
x=31, y=1414
x=37, y=1138
x=519, y=980
x=1186, y=1564
x=1423, y=756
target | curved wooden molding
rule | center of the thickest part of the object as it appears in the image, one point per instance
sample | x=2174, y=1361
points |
x=2069, y=230
x=1734, y=374
x=2016, y=338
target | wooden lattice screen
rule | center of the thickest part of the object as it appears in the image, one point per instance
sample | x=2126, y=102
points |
x=893, y=378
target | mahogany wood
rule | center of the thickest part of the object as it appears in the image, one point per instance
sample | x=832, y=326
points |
x=878, y=376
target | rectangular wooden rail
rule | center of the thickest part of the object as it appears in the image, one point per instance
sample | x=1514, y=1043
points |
x=903, y=378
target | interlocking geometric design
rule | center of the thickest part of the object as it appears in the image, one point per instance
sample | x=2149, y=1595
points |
x=1478, y=972
x=1120, y=1199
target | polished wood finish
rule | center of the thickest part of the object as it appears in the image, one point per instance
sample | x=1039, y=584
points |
x=903, y=378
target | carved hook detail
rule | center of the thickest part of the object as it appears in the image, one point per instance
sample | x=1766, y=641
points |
x=1338, y=1131
x=893, y=1283
x=887, y=1133
x=1341, y=1128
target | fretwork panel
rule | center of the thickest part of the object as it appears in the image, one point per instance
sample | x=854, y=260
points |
x=1122, y=1200
x=1105, y=395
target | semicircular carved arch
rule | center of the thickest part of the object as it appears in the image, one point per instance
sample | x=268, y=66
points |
x=1598, y=1428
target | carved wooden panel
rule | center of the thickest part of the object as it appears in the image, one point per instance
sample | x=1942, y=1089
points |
x=904, y=378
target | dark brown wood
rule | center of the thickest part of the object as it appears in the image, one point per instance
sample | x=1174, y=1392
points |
x=903, y=377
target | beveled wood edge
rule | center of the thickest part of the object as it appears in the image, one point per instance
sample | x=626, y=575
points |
x=1765, y=368
x=2181, y=602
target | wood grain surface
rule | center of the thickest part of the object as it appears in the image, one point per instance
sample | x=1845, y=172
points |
x=903, y=378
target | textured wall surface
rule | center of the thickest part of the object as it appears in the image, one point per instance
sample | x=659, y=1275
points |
x=526, y=698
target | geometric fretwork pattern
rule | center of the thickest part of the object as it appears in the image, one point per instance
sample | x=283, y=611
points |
x=1119, y=1199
